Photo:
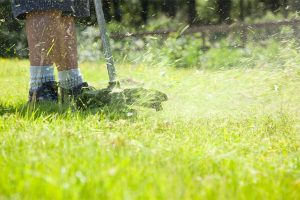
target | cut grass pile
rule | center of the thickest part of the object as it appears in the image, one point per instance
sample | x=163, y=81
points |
x=230, y=134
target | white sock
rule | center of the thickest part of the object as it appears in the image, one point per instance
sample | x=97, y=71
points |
x=40, y=75
x=70, y=78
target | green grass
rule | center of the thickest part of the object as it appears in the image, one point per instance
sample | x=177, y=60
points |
x=231, y=134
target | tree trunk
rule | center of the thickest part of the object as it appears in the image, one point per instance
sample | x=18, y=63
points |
x=275, y=5
x=192, y=9
x=106, y=10
x=224, y=10
x=285, y=8
x=249, y=8
x=145, y=10
x=242, y=10
x=169, y=7
x=272, y=5
x=117, y=10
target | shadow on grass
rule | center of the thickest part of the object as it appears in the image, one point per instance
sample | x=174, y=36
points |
x=34, y=111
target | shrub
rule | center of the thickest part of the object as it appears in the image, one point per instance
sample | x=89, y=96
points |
x=12, y=37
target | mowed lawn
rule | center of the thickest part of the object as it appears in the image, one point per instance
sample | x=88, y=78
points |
x=230, y=134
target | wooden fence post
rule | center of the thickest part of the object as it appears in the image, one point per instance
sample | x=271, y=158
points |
x=295, y=30
x=204, y=46
x=244, y=36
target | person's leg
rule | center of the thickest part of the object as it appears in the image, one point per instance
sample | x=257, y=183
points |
x=66, y=58
x=41, y=29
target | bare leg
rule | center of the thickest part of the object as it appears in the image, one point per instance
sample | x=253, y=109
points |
x=41, y=28
x=66, y=57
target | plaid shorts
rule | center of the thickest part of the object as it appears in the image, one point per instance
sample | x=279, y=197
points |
x=76, y=8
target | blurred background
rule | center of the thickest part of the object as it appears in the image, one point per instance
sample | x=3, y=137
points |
x=181, y=33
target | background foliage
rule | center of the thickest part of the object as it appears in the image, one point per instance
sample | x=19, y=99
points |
x=149, y=15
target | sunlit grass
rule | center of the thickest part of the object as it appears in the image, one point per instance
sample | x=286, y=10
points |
x=226, y=134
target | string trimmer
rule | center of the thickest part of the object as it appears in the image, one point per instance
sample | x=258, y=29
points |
x=113, y=94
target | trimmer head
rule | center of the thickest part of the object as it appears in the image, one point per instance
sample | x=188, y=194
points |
x=122, y=98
